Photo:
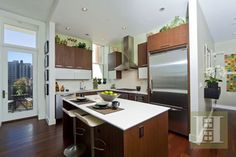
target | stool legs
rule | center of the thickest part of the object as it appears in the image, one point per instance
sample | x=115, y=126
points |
x=72, y=151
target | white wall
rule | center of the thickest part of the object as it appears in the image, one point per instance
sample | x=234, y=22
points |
x=204, y=38
x=226, y=47
x=199, y=35
x=50, y=99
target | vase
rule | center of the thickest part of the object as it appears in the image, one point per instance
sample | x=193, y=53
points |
x=212, y=93
x=212, y=84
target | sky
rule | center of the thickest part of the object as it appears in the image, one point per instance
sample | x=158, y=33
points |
x=21, y=38
x=26, y=57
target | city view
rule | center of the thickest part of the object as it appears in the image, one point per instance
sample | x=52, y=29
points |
x=20, y=82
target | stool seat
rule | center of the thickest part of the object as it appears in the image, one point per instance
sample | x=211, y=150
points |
x=72, y=114
x=90, y=120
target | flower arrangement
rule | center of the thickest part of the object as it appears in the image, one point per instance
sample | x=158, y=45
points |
x=214, y=74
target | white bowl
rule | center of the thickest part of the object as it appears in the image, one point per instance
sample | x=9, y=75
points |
x=108, y=98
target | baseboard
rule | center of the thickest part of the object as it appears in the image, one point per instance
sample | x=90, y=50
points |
x=224, y=107
x=51, y=121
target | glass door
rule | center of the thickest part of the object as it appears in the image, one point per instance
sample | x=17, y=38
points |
x=18, y=84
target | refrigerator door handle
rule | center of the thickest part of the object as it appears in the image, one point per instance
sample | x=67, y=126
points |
x=151, y=84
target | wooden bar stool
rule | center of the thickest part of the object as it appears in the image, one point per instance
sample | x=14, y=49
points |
x=92, y=122
x=74, y=150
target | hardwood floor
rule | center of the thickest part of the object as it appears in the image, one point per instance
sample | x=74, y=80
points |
x=33, y=138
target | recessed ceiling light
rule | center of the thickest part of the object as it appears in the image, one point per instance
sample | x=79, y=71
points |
x=162, y=9
x=84, y=9
x=124, y=27
x=67, y=28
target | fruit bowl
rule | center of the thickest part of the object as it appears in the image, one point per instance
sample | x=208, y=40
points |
x=108, y=95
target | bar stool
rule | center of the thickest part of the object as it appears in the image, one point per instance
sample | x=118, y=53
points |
x=92, y=122
x=74, y=150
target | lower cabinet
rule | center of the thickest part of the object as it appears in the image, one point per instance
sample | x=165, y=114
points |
x=108, y=141
x=143, y=140
x=83, y=137
x=132, y=96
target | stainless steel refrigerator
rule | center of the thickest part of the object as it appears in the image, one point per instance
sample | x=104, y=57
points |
x=169, y=86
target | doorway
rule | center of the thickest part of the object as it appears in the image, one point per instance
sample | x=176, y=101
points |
x=19, y=76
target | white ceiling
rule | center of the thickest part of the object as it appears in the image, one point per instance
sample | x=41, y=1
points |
x=36, y=9
x=105, y=18
x=221, y=18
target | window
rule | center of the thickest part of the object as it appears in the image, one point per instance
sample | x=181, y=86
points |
x=18, y=36
x=97, y=61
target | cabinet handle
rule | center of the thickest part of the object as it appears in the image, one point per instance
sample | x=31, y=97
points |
x=100, y=141
x=81, y=131
x=164, y=45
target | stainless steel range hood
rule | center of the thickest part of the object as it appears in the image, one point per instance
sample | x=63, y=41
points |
x=128, y=55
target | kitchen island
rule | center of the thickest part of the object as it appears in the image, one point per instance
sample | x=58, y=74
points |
x=138, y=130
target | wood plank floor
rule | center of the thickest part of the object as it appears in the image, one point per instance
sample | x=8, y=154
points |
x=33, y=138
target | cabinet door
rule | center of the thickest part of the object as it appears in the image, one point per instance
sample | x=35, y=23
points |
x=83, y=136
x=108, y=141
x=68, y=58
x=180, y=35
x=172, y=38
x=79, y=57
x=142, y=54
x=87, y=59
x=132, y=97
x=59, y=54
x=111, y=61
x=160, y=41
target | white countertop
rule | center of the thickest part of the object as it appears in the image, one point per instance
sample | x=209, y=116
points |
x=97, y=90
x=134, y=112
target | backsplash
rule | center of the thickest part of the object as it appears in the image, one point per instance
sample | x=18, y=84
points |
x=129, y=80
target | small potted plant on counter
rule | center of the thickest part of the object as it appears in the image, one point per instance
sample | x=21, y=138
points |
x=104, y=80
x=213, y=75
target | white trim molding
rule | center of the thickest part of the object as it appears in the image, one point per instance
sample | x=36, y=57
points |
x=224, y=107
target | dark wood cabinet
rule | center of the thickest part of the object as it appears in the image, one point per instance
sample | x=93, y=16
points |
x=87, y=60
x=114, y=60
x=108, y=141
x=60, y=50
x=133, y=96
x=142, y=54
x=69, y=57
x=72, y=57
x=145, y=139
x=172, y=38
x=79, y=55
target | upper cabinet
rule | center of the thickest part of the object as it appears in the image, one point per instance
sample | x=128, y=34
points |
x=169, y=39
x=72, y=58
x=114, y=60
x=142, y=54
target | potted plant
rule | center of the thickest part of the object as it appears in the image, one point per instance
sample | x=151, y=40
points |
x=213, y=76
x=99, y=81
x=104, y=81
